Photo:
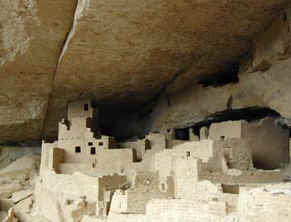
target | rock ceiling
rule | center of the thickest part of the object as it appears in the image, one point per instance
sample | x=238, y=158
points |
x=123, y=51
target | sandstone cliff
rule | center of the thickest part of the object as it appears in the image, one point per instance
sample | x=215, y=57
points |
x=121, y=52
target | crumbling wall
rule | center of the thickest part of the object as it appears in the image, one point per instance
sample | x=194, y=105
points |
x=264, y=139
x=56, y=158
x=185, y=210
x=104, y=162
x=115, y=217
x=227, y=129
x=202, y=150
x=45, y=155
x=185, y=163
x=139, y=147
x=44, y=198
x=172, y=143
x=268, y=203
x=185, y=172
x=107, y=186
x=238, y=154
x=269, y=144
x=146, y=186
x=157, y=141
x=169, y=188
x=80, y=109
x=81, y=145
x=242, y=177
x=68, y=196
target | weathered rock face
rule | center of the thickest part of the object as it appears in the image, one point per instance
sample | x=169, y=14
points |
x=121, y=52
x=31, y=38
x=127, y=52
x=264, y=82
x=265, y=89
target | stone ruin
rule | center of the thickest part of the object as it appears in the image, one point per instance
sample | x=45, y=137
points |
x=215, y=176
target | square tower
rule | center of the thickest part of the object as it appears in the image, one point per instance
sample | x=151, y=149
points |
x=80, y=109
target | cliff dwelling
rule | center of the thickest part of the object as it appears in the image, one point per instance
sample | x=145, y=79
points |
x=100, y=179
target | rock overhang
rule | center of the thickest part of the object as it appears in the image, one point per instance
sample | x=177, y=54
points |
x=119, y=52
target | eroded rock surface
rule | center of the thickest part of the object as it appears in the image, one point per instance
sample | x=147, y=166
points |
x=124, y=52
x=16, y=189
x=263, y=82
x=121, y=52
x=31, y=38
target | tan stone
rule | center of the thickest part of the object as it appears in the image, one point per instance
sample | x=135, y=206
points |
x=11, y=216
x=268, y=89
x=21, y=195
x=115, y=217
x=227, y=129
x=8, y=154
x=269, y=152
x=192, y=136
x=185, y=210
x=7, y=189
x=208, y=180
x=69, y=197
x=5, y=204
x=31, y=37
x=266, y=203
x=114, y=50
x=92, y=219
x=204, y=133
x=23, y=208
x=118, y=62
x=271, y=45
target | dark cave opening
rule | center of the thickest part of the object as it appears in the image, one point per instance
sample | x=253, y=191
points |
x=230, y=75
x=262, y=159
x=249, y=114
x=182, y=134
x=124, y=123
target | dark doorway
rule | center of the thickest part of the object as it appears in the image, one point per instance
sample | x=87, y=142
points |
x=182, y=134
x=93, y=150
x=77, y=149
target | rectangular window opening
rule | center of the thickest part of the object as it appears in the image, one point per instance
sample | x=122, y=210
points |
x=93, y=150
x=147, y=144
x=77, y=149
x=86, y=107
x=90, y=144
x=188, y=154
x=101, y=143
